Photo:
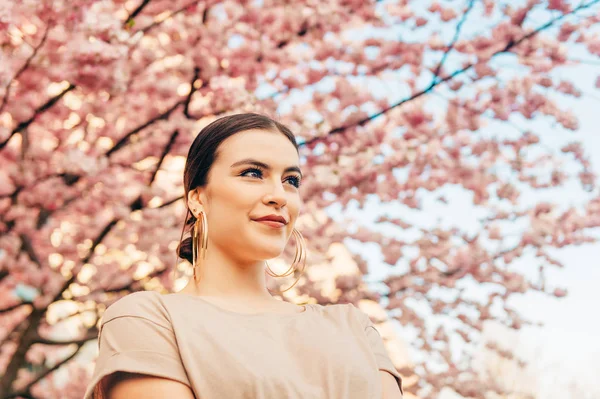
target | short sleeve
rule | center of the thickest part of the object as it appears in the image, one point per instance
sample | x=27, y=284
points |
x=136, y=336
x=377, y=346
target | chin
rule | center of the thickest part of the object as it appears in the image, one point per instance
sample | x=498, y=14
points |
x=266, y=246
x=267, y=252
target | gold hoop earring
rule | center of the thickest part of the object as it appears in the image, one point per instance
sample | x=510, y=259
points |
x=199, y=239
x=299, y=259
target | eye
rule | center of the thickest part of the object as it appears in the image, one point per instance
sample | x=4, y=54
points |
x=295, y=180
x=255, y=170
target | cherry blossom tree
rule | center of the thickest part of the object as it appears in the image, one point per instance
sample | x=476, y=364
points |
x=100, y=101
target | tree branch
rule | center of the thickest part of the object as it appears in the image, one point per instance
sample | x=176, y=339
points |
x=3, y=273
x=456, y=35
x=30, y=334
x=22, y=395
x=15, y=332
x=193, y=89
x=510, y=45
x=171, y=15
x=28, y=248
x=125, y=139
x=548, y=24
x=48, y=370
x=170, y=202
x=23, y=69
x=91, y=334
x=165, y=115
x=135, y=12
x=40, y=110
x=136, y=204
x=18, y=358
x=68, y=178
x=163, y=155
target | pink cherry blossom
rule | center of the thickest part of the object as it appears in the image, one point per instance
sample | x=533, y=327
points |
x=93, y=92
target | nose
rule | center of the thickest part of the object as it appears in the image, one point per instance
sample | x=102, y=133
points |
x=276, y=196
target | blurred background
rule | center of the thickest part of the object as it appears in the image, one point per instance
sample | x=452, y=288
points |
x=450, y=151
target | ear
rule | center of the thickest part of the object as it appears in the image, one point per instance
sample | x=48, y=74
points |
x=193, y=199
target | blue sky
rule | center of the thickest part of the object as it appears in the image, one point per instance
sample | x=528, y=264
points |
x=568, y=329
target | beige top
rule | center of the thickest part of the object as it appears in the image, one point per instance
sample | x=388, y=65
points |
x=331, y=352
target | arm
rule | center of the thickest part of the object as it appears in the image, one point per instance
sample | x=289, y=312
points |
x=138, y=356
x=124, y=385
x=389, y=386
x=391, y=380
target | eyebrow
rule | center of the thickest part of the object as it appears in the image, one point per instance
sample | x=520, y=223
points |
x=250, y=161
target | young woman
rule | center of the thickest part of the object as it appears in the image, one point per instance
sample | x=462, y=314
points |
x=224, y=336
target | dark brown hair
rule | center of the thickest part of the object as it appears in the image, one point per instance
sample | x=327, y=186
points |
x=204, y=152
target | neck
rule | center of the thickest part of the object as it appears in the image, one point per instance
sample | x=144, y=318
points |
x=222, y=276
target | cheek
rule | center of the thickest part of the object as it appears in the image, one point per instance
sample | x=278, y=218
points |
x=226, y=216
x=232, y=200
x=294, y=207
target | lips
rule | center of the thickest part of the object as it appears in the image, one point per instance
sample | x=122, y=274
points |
x=270, y=223
x=272, y=218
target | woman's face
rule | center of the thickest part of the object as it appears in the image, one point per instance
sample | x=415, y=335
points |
x=239, y=191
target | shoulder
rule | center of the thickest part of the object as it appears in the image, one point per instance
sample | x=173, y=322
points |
x=144, y=304
x=347, y=311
